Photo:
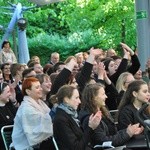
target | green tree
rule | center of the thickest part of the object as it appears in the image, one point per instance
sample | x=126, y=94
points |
x=76, y=25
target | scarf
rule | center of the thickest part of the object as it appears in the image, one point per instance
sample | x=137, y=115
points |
x=40, y=105
x=69, y=110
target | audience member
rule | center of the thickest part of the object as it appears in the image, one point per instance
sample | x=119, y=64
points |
x=93, y=99
x=7, y=109
x=136, y=94
x=35, y=59
x=111, y=52
x=6, y=54
x=46, y=84
x=54, y=58
x=67, y=131
x=46, y=68
x=32, y=124
x=37, y=67
x=28, y=73
x=122, y=84
x=6, y=73
x=16, y=72
x=115, y=69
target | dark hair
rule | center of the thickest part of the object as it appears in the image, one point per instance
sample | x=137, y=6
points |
x=88, y=97
x=3, y=65
x=5, y=42
x=41, y=77
x=27, y=84
x=32, y=63
x=106, y=62
x=2, y=86
x=56, y=66
x=88, y=100
x=46, y=67
x=128, y=96
x=26, y=72
x=53, y=77
x=116, y=57
x=14, y=68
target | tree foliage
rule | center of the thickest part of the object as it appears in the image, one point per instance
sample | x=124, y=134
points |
x=77, y=25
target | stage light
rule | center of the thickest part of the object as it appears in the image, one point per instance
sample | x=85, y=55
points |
x=22, y=23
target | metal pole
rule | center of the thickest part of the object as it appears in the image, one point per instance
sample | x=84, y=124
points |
x=143, y=31
x=15, y=43
x=10, y=27
x=22, y=40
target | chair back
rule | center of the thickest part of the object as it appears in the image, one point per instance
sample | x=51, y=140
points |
x=6, y=132
x=114, y=114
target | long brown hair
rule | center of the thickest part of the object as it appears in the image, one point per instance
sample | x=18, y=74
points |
x=64, y=91
x=128, y=97
x=88, y=99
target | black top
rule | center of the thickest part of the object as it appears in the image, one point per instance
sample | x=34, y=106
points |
x=68, y=135
x=7, y=115
x=127, y=115
x=133, y=68
x=111, y=93
x=106, y=131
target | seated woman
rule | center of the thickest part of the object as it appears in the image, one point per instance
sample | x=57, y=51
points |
x=7, y=109
x=93, y=97
x=32, y=124
x=46, y=84
x=122, y=84
x=133, y=99
x=67, y=131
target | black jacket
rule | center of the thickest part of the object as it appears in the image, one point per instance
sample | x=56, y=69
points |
x=104, y=132
x=68, y=135
x=127, y=115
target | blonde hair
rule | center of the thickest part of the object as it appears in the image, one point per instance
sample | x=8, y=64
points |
x=121, y=81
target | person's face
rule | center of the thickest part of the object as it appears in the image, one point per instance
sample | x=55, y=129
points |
x=75, y=70
x=85, y=56
x=101, y=97
x=74, y=101
x=112, y=67
x=138, y=75
x=129, y=79
x=4, y=97
x=36, y=59
x=7, y=45
x=55, y=59
x=38, y=69
x=143, y=94
x=19, y=72
x=80, y=59
x=46, y=85
x=117, y=62
x=111, y=53
x=6, y=69
x=36, y=91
